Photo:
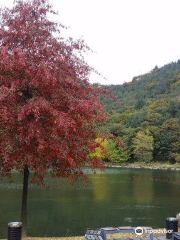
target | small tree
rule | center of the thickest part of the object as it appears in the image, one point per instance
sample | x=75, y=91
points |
x=117, y=151
x=110, y=149
x=48, y=110
x=143, y=146
x=169, y=139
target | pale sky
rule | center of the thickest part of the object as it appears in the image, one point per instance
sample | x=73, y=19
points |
x=129, y=37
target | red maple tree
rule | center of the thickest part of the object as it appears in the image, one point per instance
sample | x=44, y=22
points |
x=48, y=109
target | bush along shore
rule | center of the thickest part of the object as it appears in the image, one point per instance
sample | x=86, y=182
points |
x=142, y=165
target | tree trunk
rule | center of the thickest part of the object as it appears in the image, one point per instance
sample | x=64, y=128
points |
x=24, y=201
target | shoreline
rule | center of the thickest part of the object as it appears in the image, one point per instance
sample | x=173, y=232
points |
x=142, y=165
x=111, y=236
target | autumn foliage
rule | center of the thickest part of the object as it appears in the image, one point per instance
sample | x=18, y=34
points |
x=48, y=109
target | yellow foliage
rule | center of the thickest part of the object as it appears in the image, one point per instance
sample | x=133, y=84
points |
x=160, y=104
x=176, y=84
x=100, y=151
x=151, y=85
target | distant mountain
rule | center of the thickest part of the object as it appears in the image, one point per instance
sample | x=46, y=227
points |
x=150, y=107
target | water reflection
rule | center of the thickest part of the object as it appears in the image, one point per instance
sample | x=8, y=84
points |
x=143, y=188
x=113, y=198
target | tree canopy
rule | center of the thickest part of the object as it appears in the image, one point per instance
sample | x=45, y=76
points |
x=48, y=109
x=148, y=119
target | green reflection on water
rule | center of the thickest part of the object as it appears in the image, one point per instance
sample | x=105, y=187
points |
x=115, y=197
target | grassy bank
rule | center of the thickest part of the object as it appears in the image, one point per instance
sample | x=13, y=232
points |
x=52, y=238
x=143, y=165
x=114, y=236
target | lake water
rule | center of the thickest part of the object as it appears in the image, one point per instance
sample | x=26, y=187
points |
x=116, y=197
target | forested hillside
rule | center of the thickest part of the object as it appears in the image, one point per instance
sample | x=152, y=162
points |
x=148, y=119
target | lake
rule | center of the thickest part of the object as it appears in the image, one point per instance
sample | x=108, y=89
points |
x=116, y=197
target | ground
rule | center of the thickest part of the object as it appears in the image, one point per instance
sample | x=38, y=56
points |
x=111, y=236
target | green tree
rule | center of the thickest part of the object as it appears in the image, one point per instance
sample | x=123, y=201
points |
x=143, y=146
x=116, y=152
x=170, y=139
